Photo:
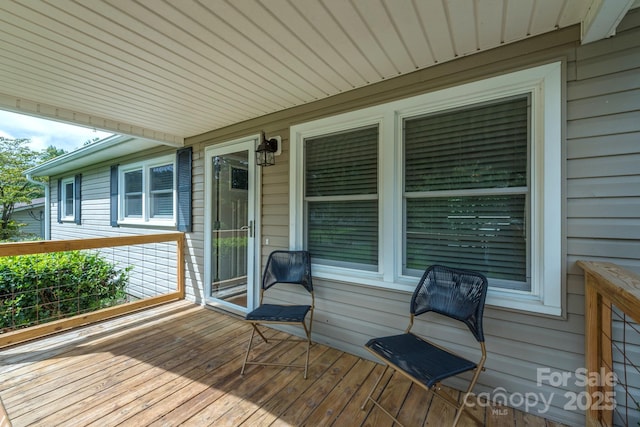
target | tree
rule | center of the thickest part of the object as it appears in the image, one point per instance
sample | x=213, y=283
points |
x=15, y=158
x=51, y=152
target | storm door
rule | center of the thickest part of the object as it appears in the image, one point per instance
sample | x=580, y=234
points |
x=231, y=228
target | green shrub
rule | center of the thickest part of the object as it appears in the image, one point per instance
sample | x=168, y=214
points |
x=43, y=287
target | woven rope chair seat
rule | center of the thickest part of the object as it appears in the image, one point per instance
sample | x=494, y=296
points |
x=418, y=358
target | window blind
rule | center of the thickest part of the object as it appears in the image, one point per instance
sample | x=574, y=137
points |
x=161, y=191
x=133, y=193
x=341, y=186
x=466, y=190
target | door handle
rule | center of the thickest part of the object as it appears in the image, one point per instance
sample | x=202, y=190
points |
x=248, y=228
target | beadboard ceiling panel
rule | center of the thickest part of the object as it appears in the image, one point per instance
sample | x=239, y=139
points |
x=167, y=70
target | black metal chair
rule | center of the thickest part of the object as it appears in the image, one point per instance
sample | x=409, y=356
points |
x=458, y=294
x=292, y=267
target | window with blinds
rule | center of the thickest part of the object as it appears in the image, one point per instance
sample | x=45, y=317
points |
x=161, y=191
x=146, y=191
x=341, y=198
x=133, y=194
x=466, y=190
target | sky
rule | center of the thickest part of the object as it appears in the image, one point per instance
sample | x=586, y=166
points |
x=44, y=133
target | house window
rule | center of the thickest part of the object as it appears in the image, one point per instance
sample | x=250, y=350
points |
x=133, y=194
x=69, y=201
x=466, y=190
x=147, y=192
x=469, y=177
x=341, y=198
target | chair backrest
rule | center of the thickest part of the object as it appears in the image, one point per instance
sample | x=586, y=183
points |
x=288, y=267
x=459, y=294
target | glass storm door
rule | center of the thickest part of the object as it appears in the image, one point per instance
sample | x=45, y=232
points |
x=231, y=226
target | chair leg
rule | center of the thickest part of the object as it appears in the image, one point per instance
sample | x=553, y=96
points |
x=246, y=356
x=466, y=395
x=374, y=388
x=306, y=362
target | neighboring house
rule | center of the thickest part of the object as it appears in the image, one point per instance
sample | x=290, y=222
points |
x=553, y=177
x=32, y=216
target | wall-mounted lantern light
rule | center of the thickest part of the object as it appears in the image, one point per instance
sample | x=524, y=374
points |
x=267, y=150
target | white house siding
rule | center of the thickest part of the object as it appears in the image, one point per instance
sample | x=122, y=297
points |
x=154, y=265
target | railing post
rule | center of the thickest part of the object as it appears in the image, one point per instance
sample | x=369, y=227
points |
x=592, y=338
x=606, y=285
x=598, y=353
x=180, y=264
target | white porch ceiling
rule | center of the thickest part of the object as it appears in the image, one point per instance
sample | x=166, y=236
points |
x=169, y=69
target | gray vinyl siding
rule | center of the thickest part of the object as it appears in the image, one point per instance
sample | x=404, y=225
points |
x=603, y=175
x=153, y=267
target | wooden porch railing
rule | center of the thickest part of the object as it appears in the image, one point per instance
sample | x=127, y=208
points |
x=606, y=286
x=27, y=248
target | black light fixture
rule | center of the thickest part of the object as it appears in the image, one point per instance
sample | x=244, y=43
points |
x=266, y=151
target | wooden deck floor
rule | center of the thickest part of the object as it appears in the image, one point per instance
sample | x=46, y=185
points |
x=180, y=363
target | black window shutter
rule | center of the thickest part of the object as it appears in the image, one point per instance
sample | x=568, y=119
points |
x=77, y=198
x=59, y=201
x=183, y=166
x=114, y=196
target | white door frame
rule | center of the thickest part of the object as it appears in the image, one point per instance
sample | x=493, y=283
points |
x=253, y=245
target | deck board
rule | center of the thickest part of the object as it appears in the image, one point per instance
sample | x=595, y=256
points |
x=180, y=364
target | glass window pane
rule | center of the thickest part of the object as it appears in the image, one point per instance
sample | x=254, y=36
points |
x=133, y=206
x=343, y=165
x=133, y=194
x=162, y=205
x=344, y=233
x=486, y=234
x=133, y=181
x=161, y=192
x=68, y=199
x=479, y=147
x=161, y=177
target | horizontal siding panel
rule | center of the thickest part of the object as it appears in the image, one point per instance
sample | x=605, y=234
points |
x=605, y=125
x=604, y=187
x=604, y=105
x=613, y=208
x=626, y=59
x=605, y=228
x=521, y=355
x=573, y=324
x=603, y=85
x=604, y=166
x=605, y=145
x=620, y=249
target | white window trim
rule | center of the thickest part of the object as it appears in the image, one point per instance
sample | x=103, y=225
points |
x=544, y=83
x=64, y=215
x=146, y=166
